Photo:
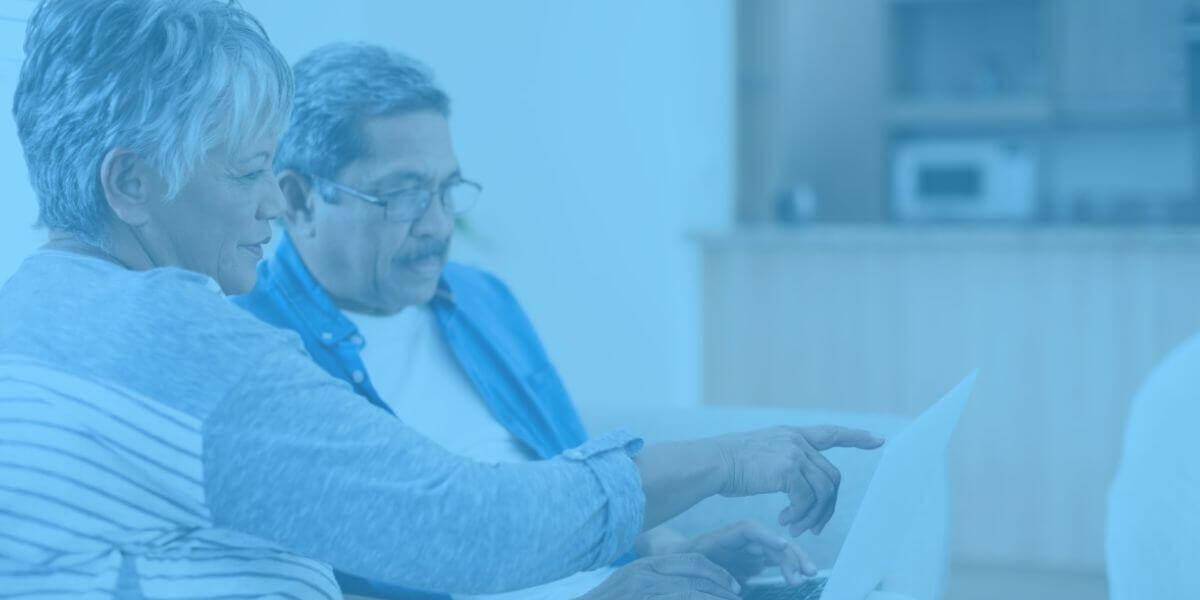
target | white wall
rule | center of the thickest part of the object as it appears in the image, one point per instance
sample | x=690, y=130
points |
x=602, y=132
x=18, y=211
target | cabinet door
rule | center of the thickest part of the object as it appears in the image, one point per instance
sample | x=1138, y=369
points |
x=1121, y=59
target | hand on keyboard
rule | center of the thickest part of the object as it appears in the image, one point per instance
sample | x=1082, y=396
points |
x=683, y=576
x=746, y=548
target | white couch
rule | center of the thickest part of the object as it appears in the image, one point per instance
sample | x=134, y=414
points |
x=920, y=574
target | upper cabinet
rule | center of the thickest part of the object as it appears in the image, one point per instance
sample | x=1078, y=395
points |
x=1085, y=110
x=1077, y=61
x=1122, y=61
x=969, y=61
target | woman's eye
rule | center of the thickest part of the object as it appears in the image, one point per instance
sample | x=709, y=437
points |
x=253, y=175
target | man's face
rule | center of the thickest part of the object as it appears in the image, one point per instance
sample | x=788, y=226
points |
x=365, y=261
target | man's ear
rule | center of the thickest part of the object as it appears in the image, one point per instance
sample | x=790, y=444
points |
x=300, y=199
x=131, y=186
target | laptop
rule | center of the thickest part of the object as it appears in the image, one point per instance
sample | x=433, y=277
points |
x=898, y=492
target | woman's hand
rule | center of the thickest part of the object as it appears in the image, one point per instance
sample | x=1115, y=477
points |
x=677, y=475
x=789, y=460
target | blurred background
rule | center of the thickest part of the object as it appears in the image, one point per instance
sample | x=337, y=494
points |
x=826, y=204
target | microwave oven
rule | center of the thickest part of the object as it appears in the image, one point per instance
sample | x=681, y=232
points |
x=964, y=180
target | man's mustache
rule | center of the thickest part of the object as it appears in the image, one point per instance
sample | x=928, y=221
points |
x=425, y=249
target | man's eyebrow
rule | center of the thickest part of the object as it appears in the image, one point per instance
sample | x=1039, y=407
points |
x=396, y=178
x=402, y=177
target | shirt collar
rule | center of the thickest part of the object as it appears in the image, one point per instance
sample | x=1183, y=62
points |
x=314, y=304
x=444, y=295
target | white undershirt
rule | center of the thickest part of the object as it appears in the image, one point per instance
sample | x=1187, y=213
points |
x=417, y=375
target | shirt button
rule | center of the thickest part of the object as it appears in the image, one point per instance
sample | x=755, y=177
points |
x=357, y=340
x=327, y=337
x=358, y=376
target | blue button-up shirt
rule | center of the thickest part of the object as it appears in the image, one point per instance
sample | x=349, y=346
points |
x=485, y=329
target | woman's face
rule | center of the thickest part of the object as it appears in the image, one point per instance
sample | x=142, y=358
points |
x=221, y=219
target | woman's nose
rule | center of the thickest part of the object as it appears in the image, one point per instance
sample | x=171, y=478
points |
x=271, y=206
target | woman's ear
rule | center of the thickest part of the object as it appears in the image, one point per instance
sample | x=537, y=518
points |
x=300, y=199
x=131, y=186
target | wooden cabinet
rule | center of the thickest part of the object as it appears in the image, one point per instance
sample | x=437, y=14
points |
x=827, y=87
x=1121, y=59
x=1064, y=324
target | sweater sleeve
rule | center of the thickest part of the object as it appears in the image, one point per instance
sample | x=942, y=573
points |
x=293, y=456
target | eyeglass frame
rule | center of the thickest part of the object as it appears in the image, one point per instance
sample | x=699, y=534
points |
x=422, y=209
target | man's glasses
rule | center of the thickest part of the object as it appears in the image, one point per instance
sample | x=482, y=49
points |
x=457, y=197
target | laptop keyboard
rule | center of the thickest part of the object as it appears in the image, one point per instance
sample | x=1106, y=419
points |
x=809, y=590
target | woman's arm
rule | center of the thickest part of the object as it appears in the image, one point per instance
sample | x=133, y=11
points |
x=301, y=461
x=294, y=456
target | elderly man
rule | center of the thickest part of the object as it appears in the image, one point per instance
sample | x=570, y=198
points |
x=159, y=442
x=372, y=187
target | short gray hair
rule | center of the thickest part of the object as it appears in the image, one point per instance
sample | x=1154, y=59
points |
x=168, y=79
x=337, y=87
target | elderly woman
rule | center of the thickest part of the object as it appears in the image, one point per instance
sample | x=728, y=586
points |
x=158, y=442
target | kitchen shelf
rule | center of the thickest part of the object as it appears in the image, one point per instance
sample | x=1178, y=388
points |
x=941, y=113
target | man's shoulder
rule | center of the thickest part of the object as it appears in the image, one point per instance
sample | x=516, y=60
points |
x=484, y=299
